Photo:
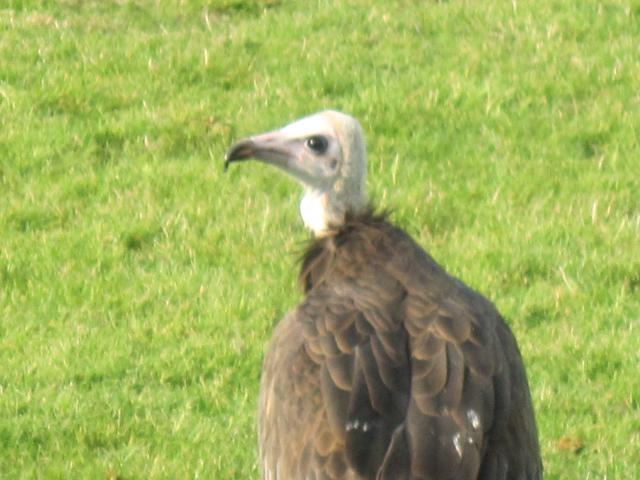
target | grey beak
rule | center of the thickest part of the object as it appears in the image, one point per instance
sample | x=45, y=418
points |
x=271, y=147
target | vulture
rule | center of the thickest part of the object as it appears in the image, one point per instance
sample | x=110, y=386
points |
x=389, y=368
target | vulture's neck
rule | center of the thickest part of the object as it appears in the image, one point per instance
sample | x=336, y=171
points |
x=322, y=212
x=316, y=213
x=325, y=212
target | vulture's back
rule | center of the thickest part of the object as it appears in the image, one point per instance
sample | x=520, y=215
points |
x=392, y=369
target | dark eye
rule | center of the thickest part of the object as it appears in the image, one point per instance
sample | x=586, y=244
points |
x=318, y=144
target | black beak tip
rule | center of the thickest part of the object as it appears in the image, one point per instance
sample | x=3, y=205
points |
x=238, y=151
x=227, y=160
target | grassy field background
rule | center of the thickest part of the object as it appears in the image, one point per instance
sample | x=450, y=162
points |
x=139, y=285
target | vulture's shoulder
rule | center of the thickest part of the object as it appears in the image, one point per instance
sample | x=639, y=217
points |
x=372, y=265
x=368, y=248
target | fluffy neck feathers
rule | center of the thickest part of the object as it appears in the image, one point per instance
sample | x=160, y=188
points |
x=314, y=209
x=321, y=251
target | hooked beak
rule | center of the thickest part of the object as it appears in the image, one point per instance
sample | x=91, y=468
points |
x=271, y=147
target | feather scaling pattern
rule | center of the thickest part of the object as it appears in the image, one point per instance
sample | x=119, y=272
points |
x=392, y=369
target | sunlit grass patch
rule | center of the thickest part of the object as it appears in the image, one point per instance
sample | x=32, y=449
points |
x=139, y=285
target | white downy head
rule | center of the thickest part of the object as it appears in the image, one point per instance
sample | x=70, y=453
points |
x=326, y=153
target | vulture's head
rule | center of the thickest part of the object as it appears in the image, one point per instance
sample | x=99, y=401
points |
x=326, y=153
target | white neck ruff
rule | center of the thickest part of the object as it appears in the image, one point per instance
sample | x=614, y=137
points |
x=314, y=211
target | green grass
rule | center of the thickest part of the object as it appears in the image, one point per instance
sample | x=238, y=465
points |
x=139, y=285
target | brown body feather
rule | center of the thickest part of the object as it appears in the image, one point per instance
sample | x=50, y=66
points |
x=392, y=369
